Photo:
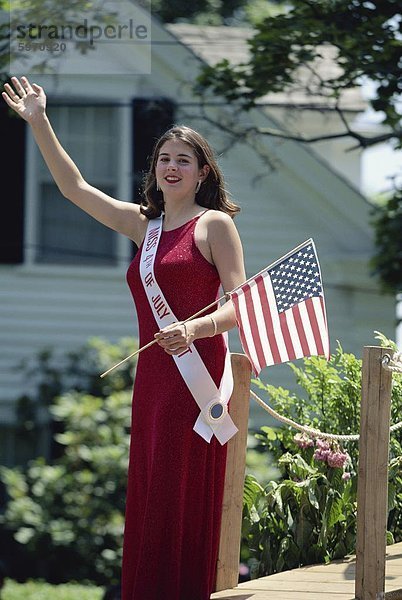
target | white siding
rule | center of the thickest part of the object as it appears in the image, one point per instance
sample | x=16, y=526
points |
x=42, y=308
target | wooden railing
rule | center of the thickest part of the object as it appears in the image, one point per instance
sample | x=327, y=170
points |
x=227, y=575
x=372, y=485
x=372, y=493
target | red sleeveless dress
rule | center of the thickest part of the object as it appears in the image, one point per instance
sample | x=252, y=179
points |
x=175, y=478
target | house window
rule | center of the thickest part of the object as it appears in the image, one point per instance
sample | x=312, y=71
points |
x=151, y=118
x=65, y=234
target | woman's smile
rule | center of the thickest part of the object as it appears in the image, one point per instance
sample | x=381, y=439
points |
x=172, y=179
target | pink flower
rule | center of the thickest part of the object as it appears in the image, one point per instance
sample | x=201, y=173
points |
x=322, y=444
x=322, y=450
x=337, y=459
x=303, y=441
x=331, y=453
x=346, y=476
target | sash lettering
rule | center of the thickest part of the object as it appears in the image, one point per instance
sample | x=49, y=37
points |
x=189, y=363
x=149, y=280
x=153, y=239
x=159, y=306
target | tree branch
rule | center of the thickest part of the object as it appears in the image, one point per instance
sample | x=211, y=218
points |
x=364, y=141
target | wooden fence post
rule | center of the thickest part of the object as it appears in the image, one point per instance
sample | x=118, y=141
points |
x=372, y=486
x=227, y=570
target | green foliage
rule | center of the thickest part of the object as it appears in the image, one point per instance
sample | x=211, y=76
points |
x=69, y=514
x=50, y=374
x=256, y=11
x=387, y=261
x=309, y=514
x=308, y=517
x=292, y=51
x=364, y=36
x=328, y=399
x=34, y=590
x=207, y=12
x=215, y=12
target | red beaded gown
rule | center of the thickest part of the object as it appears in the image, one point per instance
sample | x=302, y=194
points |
x=175, y=478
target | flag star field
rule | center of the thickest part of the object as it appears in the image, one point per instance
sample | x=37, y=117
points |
x=296, y=279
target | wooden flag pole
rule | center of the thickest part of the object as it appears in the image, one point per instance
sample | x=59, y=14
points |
x=224, y=297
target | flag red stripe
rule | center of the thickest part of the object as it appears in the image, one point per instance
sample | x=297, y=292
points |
x=266, y=310
x=286, y=336
x=242, y=336
x=300, y=330
x=253, y=326
x=314, y=326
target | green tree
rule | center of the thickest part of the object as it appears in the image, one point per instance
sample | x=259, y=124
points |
x=67, y=514
x=364, y=40
x=211, y=12
x=215, y=12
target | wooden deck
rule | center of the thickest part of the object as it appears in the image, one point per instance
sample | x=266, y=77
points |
x=334, y=581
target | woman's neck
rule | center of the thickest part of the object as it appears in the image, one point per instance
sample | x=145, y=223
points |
x=178, y=213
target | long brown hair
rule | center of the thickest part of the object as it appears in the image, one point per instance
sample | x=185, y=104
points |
x=212, y=193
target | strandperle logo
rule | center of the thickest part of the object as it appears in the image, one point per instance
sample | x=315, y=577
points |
x=83, y=32
x=108, y=38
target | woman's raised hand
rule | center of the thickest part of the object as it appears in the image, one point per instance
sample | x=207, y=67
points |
x=28, y=100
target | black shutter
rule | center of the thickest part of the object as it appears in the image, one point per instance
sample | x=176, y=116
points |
x=151, y=118
x=12, y=135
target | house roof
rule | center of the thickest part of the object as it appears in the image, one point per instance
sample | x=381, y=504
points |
x=335, y=193
x=213, y=43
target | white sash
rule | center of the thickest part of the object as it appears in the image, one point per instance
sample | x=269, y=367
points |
x=214, y=417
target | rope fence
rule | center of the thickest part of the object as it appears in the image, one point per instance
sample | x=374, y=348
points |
x=393, y=364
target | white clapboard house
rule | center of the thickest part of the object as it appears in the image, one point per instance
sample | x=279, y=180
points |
x=63, y=275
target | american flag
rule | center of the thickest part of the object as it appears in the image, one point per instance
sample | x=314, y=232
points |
x=281, y=311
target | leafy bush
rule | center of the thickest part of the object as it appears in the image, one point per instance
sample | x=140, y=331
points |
x=309, y=514
x=50, y=374
x=69, y=515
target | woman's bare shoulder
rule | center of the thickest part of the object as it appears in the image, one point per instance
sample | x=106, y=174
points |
x=218, y=223
x=218, y=218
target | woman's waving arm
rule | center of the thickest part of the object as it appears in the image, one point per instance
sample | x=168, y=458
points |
x=29, y=101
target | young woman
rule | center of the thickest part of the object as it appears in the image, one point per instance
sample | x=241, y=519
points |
x=188, y=248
